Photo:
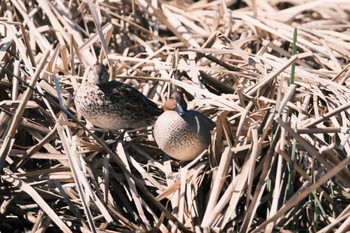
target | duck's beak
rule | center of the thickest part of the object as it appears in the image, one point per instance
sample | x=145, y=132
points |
x=179, y=109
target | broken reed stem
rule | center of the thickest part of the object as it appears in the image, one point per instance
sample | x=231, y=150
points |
x=19, y=112
x=7, y=144
x=303, y=192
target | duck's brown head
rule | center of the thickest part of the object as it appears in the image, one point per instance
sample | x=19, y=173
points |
x=176, y=103
x=99, y=74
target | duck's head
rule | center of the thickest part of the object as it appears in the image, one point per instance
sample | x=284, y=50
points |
x=176, y=103
x=99, y=74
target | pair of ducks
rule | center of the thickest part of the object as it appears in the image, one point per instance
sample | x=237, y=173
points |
x=182, y=134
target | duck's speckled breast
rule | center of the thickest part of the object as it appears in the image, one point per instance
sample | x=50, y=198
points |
x=183, y=137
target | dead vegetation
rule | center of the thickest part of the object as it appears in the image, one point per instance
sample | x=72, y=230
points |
x=279, y=154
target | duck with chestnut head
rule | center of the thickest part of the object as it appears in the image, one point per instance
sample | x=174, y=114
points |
x=182, y=134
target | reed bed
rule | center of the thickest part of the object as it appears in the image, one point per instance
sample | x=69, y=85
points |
x=272, y=74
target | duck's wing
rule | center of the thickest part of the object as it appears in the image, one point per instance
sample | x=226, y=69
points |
x=211, y=124
x=120, y=94
x=203, y=121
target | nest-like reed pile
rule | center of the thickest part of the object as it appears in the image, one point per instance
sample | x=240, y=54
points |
x=279, y=154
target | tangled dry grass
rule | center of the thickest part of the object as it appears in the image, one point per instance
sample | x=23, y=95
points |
x=280, y=152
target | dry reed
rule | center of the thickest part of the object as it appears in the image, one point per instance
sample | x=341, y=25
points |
x=279, y=157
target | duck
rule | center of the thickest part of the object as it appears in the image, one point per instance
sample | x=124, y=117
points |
x=182, y=134
x=113, y=105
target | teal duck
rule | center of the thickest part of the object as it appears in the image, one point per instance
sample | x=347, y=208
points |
x=112, y=105
x=182, y=134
